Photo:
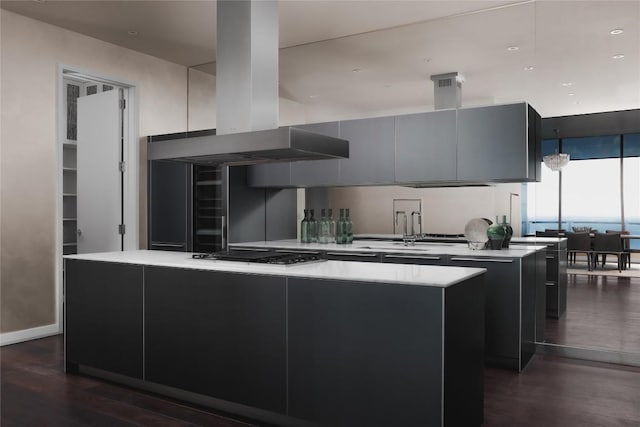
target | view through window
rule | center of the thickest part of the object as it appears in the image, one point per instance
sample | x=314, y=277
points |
x=590, y=191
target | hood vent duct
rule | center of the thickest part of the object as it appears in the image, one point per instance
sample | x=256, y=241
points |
x=447, y=90
x=247, y=129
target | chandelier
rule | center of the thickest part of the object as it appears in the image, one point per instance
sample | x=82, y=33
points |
x=556, y=161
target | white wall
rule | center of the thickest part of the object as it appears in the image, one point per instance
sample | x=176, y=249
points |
x=30, y=53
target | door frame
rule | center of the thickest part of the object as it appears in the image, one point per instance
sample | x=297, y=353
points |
x=131, y=156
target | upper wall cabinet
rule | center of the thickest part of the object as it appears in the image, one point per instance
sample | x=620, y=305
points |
x=494, y=144
x=499, y=143
x=310, y=173
x=315, y=173
x=426, y=147
x=371, y=151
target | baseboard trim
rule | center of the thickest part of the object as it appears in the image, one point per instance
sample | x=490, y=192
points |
x=29, y=334
x=615, y=357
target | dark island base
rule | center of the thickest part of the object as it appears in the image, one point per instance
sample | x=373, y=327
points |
x=286, y=350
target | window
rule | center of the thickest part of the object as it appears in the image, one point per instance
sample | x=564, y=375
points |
x=600, y=187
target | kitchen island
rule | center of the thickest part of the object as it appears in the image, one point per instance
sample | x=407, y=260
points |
x=515, y=291
x=329, y=342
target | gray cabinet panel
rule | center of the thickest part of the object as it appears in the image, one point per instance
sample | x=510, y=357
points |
x=280, y=209
x=216, y=333
x=492, y=143
x=317, y=172
x=103, y=309
x=371, y=151
x=269, y=175
x=364, y=354
x=169, y=205
x=426, y=147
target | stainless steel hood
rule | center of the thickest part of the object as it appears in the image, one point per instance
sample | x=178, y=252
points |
x=284, y=144
x=247, y=129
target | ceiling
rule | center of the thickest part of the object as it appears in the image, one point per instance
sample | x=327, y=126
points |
x=346, y=59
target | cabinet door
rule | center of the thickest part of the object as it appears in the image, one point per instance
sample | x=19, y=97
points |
x=502, y=307
x=365, y=354
x=492, y=143
x=218, y=334
x=169, y=205
x=103, y=316
x=317, y=173
x=269, y=175
x=426, y=147
x=371, y=151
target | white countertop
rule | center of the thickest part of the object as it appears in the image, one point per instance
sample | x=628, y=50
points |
x=530, y=239
x=420, y=248
x=406, y=274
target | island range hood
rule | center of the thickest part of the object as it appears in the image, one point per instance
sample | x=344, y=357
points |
x=247, y=129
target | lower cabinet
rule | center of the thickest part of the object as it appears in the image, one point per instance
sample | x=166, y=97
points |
x=367, y=354
x=218, y=334
x=103, y=316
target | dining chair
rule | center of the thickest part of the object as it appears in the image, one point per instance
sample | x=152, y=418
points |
x=608, y=244
x=626, y=247
x=579, y=243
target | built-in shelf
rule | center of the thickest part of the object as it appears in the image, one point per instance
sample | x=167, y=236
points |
x=208, y=232
x=70, y=145
x=69, y=219
x=69, y=195
x=69, y=169
x=70, y=244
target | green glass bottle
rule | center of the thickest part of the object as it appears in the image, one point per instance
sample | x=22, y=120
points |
x=313, y=228
x=348, y=227
x=340, y=229
x=331, y=238
x=304, y=228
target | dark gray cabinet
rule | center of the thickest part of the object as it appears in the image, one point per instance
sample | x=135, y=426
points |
x=426, y=147
x=170, y=212
x=367, y=354
x=218, y=334
x=371, y=151
x=269, y=175
x=493, y=144
x=317, y=173
x=103, y=317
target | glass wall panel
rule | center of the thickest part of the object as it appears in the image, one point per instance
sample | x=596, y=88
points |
x=591, y=194
x=542, y=203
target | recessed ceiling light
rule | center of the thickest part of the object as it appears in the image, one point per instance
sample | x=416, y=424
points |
x=387, y=86
x=513, y=48
x=570, y=94
x=132, y=32
x=529, y=68
x=313, y=96
x=618, y=56
x=566, y=84
x=616, y=31
x=357, y=70
x=39, y=1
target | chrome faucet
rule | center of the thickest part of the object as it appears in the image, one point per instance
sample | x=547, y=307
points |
x=406, y=237
x=413, y=231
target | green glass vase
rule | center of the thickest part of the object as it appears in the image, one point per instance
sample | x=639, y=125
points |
x=508, y=232
x=496, y=234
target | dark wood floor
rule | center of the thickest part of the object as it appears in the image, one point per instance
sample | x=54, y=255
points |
x=551, y=392
x=603, y=312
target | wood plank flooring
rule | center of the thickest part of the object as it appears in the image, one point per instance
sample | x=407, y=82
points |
x=603, y=312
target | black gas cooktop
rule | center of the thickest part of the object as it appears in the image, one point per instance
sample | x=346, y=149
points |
x=264, y=257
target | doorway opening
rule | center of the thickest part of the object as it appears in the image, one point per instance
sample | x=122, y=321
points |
x=97, y=173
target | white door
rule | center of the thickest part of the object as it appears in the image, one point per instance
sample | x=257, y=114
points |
x=99, y=185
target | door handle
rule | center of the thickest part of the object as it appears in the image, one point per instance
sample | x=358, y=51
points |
x=352, y=254
x=79, y=232
x=431, y=258
x=506, y=261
